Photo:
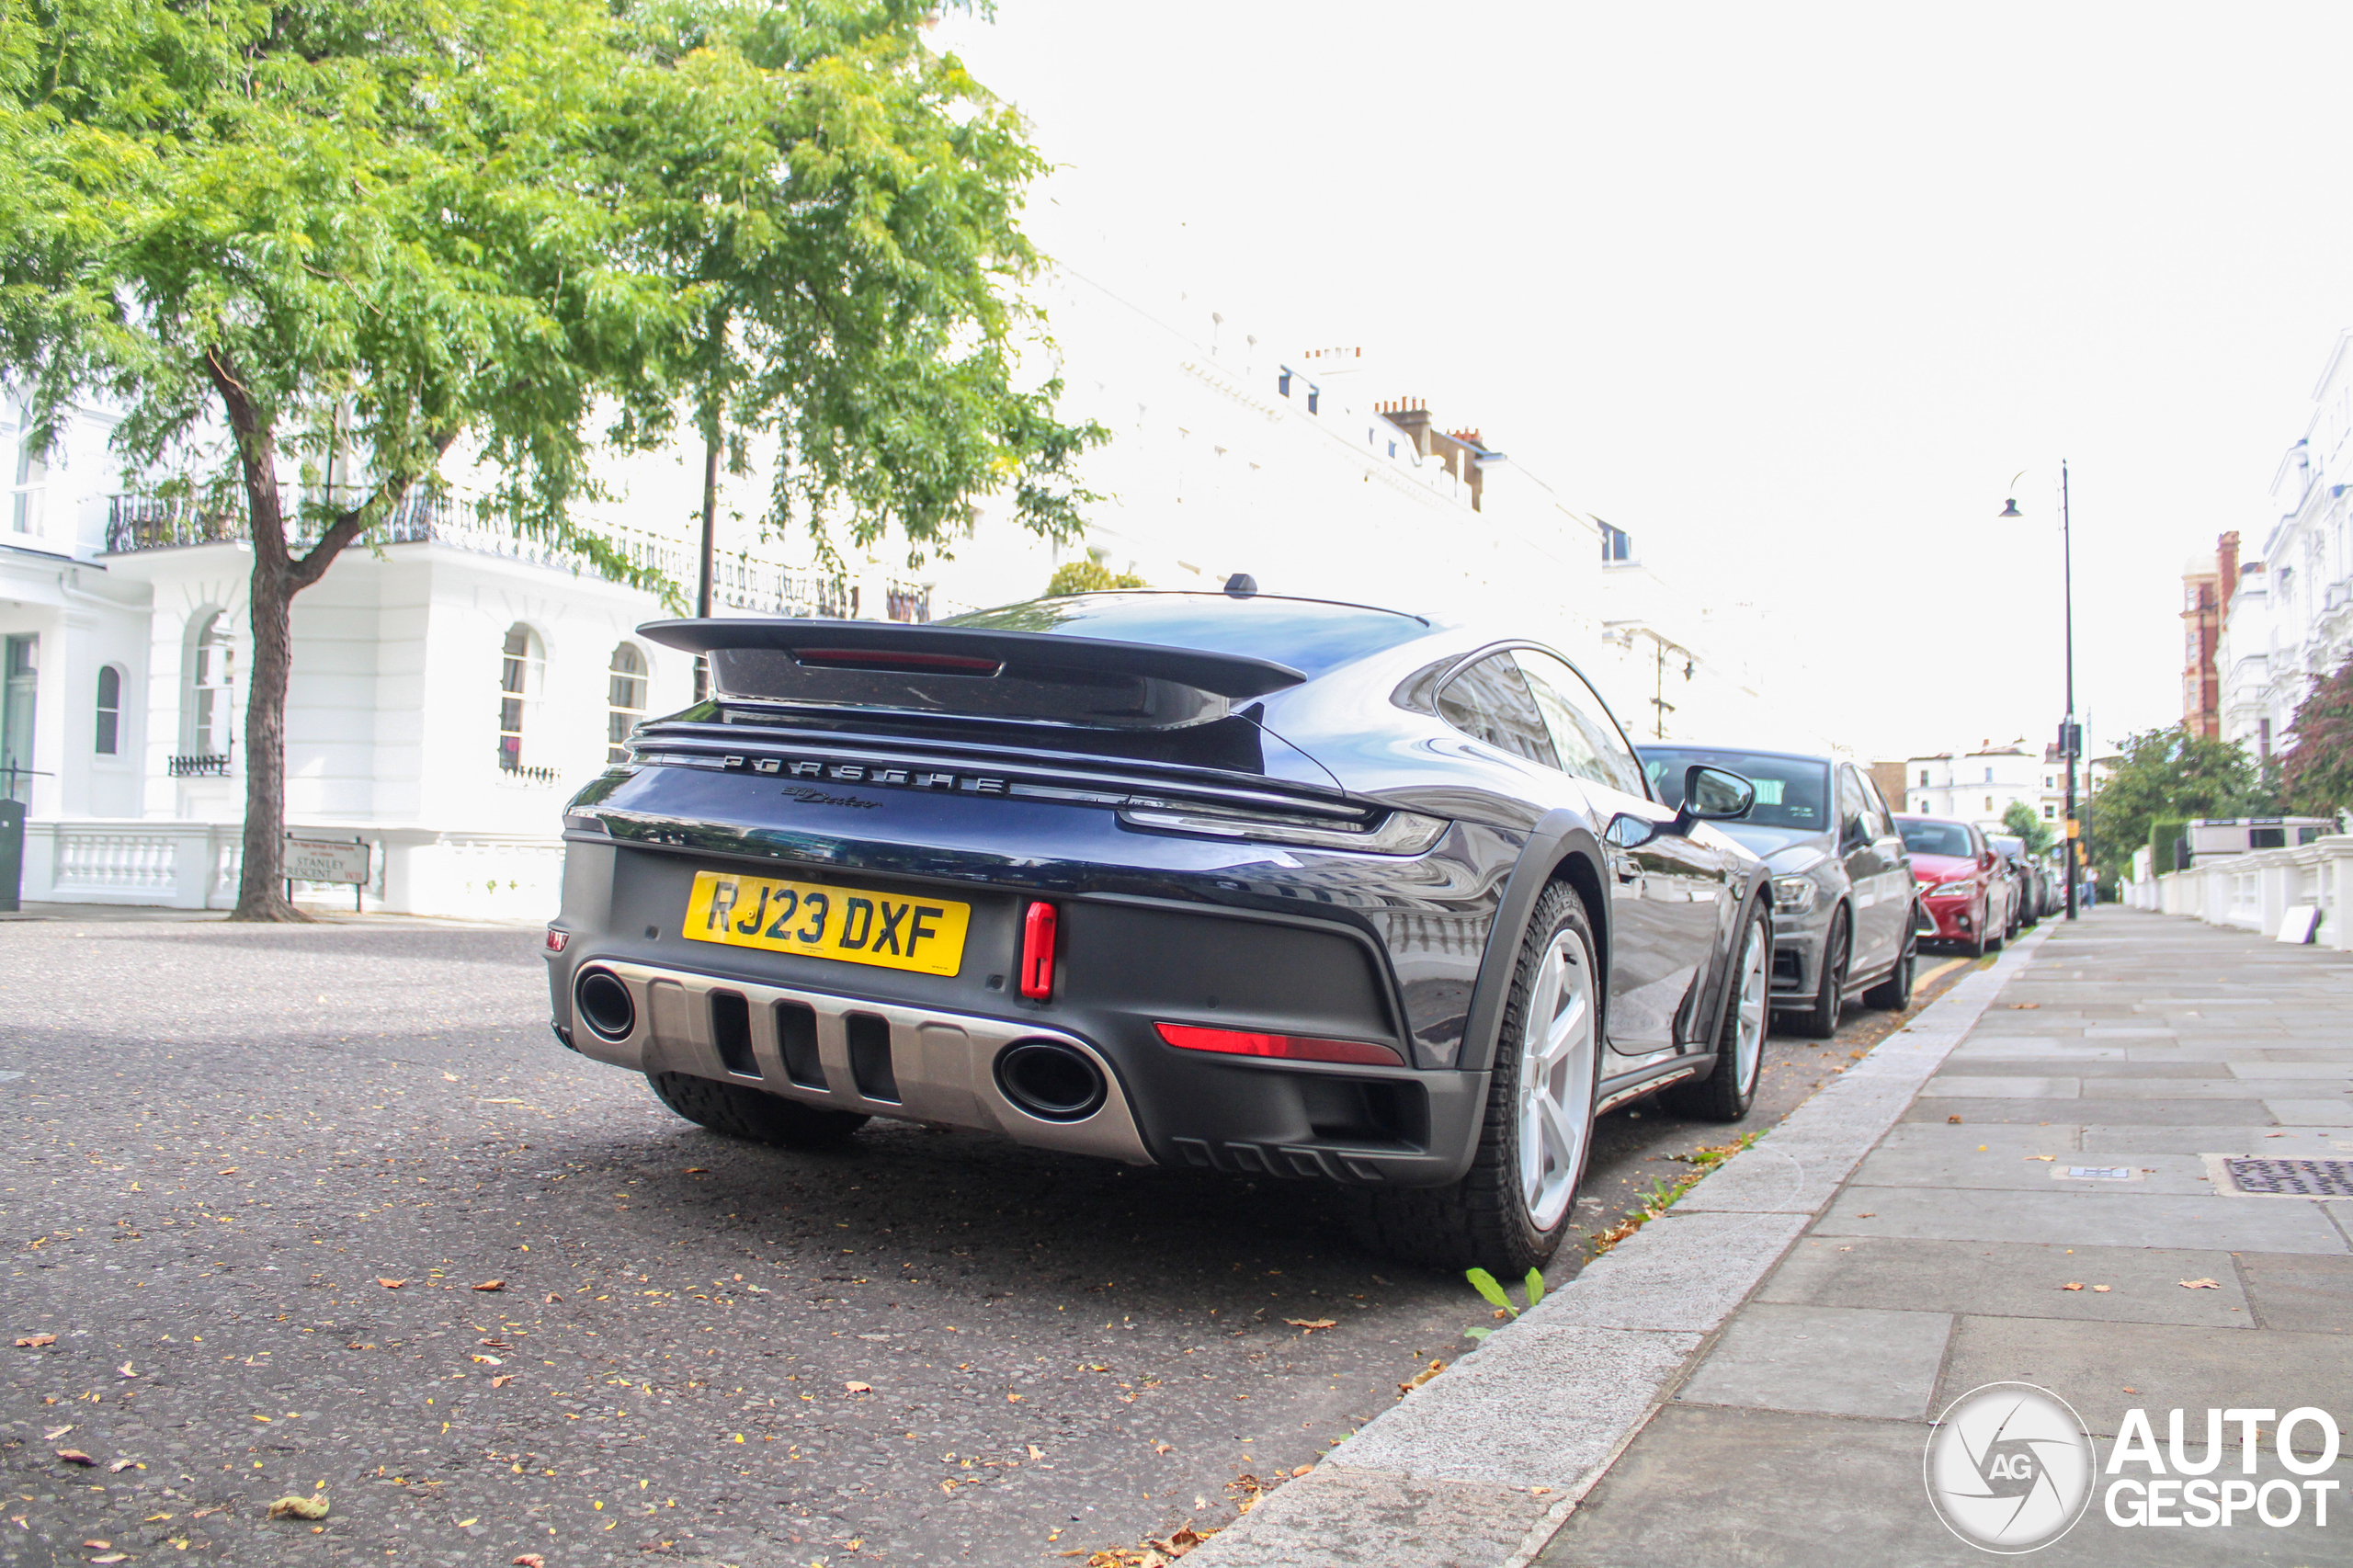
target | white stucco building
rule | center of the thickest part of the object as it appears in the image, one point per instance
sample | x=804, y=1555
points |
x=2290, y=620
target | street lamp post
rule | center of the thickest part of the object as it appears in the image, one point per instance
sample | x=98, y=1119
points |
x=2070, y=734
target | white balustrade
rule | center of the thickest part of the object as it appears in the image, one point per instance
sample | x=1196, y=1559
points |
x=2254, y=891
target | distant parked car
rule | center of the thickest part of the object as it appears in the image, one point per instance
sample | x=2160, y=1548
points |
x=1963, y=883
x=1843, y=900
x=2026, y=907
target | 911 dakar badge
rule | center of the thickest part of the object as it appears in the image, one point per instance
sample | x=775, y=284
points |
x=2009, y=1467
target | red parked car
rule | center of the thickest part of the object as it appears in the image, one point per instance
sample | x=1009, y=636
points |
x=1964, y=885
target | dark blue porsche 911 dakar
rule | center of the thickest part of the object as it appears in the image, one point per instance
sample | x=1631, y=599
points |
x=1226, y=880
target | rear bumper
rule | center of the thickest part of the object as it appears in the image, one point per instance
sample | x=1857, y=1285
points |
x=1127, y=961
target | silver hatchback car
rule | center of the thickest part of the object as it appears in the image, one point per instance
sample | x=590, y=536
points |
x=1844, y=917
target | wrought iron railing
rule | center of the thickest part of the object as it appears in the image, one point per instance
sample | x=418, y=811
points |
x=743, y=583
x=205, y=766
x=521, y=774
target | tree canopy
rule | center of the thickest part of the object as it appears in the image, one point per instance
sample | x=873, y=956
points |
x=2170, y=773
x=1087, y=576
x=310, y=248
x=2027, y=828
x=2317, y=773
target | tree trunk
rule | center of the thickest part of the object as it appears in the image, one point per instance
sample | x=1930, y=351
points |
x=261, y=880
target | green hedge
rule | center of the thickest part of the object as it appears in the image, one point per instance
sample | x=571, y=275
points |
x=2164, y=834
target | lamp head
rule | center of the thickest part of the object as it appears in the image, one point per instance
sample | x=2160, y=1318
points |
x=2010, y=509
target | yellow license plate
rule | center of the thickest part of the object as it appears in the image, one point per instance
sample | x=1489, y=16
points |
x=925, y=934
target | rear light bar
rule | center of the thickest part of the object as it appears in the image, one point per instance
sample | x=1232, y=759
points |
x=558, y=940
x=1295, y=1048
x=1038, y=952
x=895, y=659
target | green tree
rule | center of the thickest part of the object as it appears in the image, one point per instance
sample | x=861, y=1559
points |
x=839, y=203
x=2317, y=773
x=2020, y=819
x=353, y=233
x=2169, y=773
x=1087, y=576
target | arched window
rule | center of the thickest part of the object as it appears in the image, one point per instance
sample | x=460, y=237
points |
x=521, y=672
x=209, y=711
x=625, y=699
x=109, y=737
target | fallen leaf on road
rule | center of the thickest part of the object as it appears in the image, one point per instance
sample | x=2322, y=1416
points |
x=1310, y=1324
x=698, y=1170
x=1162, y=1449
x=2024, y=1007
x=113, y=1557
x=1872, y=1215
x=502, y=1379
x=98, y=1545
x=75, y=1456
x=155, y=1518
x=1303, y=1470
x=2132, y=1390
x=35, y=1341
x=124, y=1370
x=54, y=1433
x=1953, y=1120
x=1036, y=1452
x=553, y=1299
x=489, y=1361
x=2046, y=1159
x=311, y=1508
x=859, y=1388
x=533, y=1559
x=391, y=1284
x=2101, y=1289
x=120, y=1466
x=202, y=1513
x=230, y=1171
x=2198, y=1285
x=491, y=1285
x=2076, y=1285
x=1418, y=1378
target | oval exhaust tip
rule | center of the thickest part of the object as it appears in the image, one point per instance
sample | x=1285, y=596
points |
x=1050, y=1080
x=604, y=1005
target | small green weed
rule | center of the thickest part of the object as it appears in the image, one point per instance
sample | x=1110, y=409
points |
x=1500, y=1298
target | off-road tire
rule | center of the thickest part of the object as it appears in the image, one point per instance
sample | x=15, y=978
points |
x=1820, y=1018
x=1721, y=1097
x=1481, y=1220
x=742, y=1111
x=1894, y=993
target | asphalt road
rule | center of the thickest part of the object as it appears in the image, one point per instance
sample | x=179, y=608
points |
x=229, y=1142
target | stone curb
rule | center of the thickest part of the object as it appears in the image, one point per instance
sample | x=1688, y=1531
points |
x=1481, y=1467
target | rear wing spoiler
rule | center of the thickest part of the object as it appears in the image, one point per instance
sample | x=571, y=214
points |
x=894, y=648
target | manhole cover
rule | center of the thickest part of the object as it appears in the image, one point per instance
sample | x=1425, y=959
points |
x=2289, y=1178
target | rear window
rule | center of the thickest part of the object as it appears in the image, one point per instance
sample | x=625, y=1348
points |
x=1311, y=636
x=1938, y=839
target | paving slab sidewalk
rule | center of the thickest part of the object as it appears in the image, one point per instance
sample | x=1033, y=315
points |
x=1754, y=1377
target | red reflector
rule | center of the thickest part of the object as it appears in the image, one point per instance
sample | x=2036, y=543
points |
x=557, y=939
x=896, y=659
x=1298, y=1048
x=1038, y=952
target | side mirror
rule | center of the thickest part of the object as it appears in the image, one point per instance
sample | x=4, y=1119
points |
x=1711, y=794
x=1985, y=860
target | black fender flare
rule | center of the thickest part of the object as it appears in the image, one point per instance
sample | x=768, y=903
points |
x=1560, y=836
x=1757, y=897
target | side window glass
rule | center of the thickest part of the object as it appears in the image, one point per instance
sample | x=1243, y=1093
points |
x=1882, y=822
x=1853, y=813
x=1588, y=743
x=1490, y=702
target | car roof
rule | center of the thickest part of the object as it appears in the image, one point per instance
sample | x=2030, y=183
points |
x=1313, y=636
x=1747, y=751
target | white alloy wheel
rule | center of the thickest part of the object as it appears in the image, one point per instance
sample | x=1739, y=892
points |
x=1748, y=1040
x=1556, y=1063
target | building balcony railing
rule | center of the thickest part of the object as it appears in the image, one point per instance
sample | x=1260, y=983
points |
x=519, y=773
x=204, y=766
x=743, y=582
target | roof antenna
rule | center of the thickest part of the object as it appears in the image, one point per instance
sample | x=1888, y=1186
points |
x=1241, y=584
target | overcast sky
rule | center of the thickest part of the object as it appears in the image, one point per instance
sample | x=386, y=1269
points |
x=1790, y=292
